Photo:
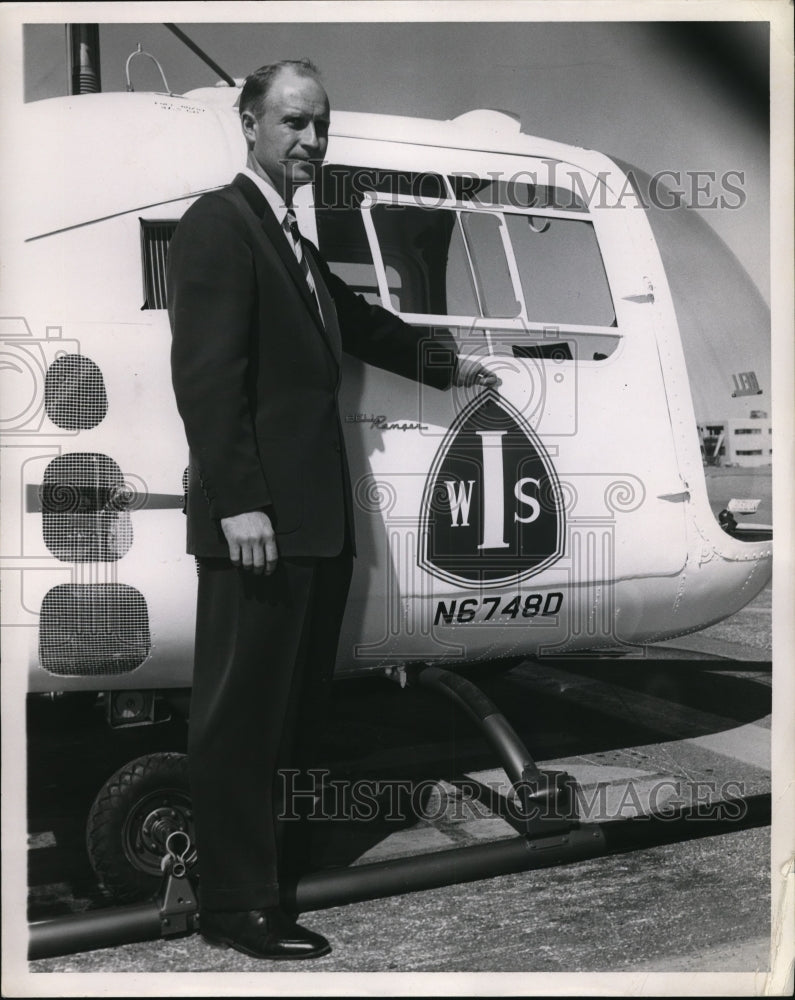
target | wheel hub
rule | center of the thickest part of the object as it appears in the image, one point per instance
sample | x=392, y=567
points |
x=149, y=824
x=158, y=825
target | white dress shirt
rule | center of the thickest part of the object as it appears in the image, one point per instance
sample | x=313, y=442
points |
x=276, y=202
x=274, y=199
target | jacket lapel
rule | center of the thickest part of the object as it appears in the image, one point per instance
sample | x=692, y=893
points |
x=258, y=204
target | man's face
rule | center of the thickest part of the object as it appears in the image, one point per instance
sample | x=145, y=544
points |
x=289, y=140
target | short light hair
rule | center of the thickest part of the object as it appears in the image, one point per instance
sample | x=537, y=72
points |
x=257, y=84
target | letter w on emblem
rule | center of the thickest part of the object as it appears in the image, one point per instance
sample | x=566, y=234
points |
x=460, y=499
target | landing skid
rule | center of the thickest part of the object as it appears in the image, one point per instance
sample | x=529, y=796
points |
x=551, y=835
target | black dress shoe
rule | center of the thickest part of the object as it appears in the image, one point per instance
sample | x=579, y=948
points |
x=268, y=933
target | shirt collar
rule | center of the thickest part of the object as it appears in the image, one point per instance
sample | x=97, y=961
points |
x=272, y=196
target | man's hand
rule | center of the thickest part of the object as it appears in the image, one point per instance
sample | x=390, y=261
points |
x=251, y=541
x=469, y=371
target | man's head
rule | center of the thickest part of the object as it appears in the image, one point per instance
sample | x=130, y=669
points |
x=284, y=114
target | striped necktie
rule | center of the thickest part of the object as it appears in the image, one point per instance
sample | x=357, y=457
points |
x=293, y=233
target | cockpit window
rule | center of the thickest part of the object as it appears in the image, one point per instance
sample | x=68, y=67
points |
x=362, y=278
x=489, y=264
x=415, y=241
x=450, y=265
x=465, y=249
x=561, y=270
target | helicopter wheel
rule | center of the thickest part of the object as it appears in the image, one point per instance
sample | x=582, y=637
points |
x=131, y=818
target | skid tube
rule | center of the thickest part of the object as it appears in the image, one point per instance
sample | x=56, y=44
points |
x=551, y=836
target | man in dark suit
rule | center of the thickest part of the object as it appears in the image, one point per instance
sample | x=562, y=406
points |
x=259, y=323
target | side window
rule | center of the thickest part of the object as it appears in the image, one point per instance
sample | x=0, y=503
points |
x=561, y=270
x=489, y=265
x=413, y=240
x=459, y=287
x=526, y=255
x=362, y=279
x=343, y=242
x=155, y=237
x=560, y=266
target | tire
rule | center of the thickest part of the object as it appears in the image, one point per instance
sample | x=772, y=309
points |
x=129, y=822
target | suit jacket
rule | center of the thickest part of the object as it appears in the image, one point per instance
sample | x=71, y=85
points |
x=256, y=373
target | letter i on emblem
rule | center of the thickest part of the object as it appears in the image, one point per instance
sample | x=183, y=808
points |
x=493, y=489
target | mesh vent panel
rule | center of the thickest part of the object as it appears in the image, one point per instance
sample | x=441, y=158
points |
x=83, y=500
x=155, y=237
x=91, y=629
x=74, y=393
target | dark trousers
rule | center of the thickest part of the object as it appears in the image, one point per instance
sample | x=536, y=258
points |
x=265, y=653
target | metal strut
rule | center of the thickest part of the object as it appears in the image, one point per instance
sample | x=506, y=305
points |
x=547, y=803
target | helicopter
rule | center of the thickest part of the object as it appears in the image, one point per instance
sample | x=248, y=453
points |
x=565, y=512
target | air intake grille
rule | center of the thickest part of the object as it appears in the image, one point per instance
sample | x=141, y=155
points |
x=74, y=393
x=155, y=237
x=83, y=503
x=91, y=629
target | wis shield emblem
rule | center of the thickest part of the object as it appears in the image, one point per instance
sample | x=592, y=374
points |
x=492, y=510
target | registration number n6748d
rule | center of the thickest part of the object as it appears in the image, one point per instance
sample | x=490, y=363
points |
x=484, y=609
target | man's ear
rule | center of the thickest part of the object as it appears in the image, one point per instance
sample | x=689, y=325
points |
x=249, y=126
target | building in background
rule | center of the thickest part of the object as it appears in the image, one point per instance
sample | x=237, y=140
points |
x=737, y=440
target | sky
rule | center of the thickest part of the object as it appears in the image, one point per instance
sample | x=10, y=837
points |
x=676, y=96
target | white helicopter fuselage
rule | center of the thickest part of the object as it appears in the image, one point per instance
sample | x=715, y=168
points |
x=566, y=511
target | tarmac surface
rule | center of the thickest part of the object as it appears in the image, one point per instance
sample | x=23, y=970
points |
x=688, y=728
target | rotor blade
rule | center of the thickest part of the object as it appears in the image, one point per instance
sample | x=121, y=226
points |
x=202, y=55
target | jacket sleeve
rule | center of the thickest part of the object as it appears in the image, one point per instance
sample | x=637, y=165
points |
x=380, y=338
x=211, y=299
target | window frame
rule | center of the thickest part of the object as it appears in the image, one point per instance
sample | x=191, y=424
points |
x=521, y=322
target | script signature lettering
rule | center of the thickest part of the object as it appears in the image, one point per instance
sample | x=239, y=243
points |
x=380, y=422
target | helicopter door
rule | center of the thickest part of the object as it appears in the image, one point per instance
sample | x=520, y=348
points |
x=464, y=490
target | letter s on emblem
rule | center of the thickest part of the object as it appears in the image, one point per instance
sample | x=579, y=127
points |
x=524, y=498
